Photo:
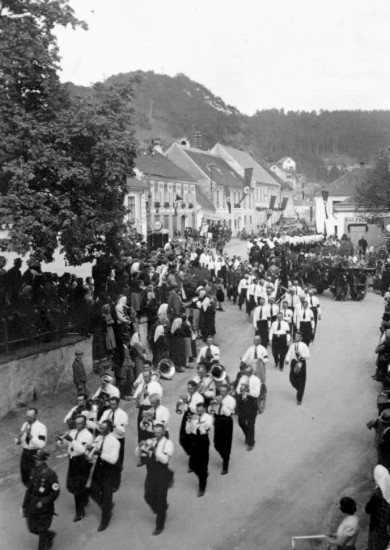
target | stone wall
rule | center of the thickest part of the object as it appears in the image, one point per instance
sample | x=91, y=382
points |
x=40, y=374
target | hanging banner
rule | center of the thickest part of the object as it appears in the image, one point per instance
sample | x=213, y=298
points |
x=228, y=198
x=325, y=195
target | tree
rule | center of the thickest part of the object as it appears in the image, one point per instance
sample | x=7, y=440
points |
x=373, y=194
x=64, y=161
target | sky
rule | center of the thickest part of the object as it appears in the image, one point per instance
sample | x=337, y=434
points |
x=255, y=54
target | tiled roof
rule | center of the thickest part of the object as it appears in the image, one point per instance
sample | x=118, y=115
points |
x=280, y=161
x=348, y=183
x=261, y=174
x=203, y=201
x=222, y=173
x=160, y=166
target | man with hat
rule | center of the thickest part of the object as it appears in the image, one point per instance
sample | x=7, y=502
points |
x=159, y=477
x=32, y=437
x=79, y=374
x=175, y=305
x=107, y=387
x=38, y=505
x=120, y=420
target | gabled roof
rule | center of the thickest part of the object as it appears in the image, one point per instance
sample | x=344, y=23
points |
x=280, y=161
x=203, y=201
x=346, y=185
x=261, y=174
x=160, y=166
x=221, y=172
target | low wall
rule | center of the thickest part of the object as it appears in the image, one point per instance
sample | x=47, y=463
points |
x=43, y=373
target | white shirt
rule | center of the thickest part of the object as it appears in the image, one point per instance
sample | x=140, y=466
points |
x=226, y=407
x=283, y=330
x=297, y=351
x=287, y=315
x=214, y=351
x=164, y=450
x=292, y=300
x=302, y=315
x=119, y=420
x=254, y=385
x=38, y=435
x=194, y=399
x=110, y=389
x=162, y=415
x=109, y=445
x=265, y=312
x=72, y=410
x=145, y=390
x=80, y=439
x=199, y=424
x=259, y=292
x=250, y=354
x=250, y=291
x=314, y=303
x=206, y=385
x=242, y=285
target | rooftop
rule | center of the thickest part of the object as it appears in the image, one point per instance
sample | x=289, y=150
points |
x=346, y=185
x=216, y=168
x=160, y=166
x=261, y=174
x=203, y=201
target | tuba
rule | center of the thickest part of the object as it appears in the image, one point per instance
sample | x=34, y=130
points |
x=166, y=369
x=218, y=372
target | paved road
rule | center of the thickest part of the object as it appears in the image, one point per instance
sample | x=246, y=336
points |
x=305, y=457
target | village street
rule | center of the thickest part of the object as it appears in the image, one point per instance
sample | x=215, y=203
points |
x=304, y=460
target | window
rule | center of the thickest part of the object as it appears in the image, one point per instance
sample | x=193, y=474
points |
x=250, y=220
x=244, y=220
x=166, y=221
x=131, y=207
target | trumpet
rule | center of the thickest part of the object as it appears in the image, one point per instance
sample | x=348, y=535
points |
x=183, y=400
x=60, y=438
x=215, y=403
x=147, y=447
x=244, y=389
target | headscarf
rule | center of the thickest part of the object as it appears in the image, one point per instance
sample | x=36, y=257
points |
x=176, y=324
x=382, y=479
x=158, y=332
x=162, y=310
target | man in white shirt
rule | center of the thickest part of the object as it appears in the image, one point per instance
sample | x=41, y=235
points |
x=304, y=322
x=119, y=419
x=78, y=439
x=159, y=477
x=223, y=408
x=205, y=384
x=315, y=306
x=248, y=392
x=33, y=436
x=209, y=353
x=199, y=426
x=296, y=357
x=280, y=339
x=242, y=288
x=250, y=295
x=287, y=314
x=257, y=355
x=262, y=321
x=161, y=413
x=106, y=447
x=107, y=387
x=79, y=408
x=144, y=390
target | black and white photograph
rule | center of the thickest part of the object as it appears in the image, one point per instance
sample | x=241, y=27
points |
x=194, y=275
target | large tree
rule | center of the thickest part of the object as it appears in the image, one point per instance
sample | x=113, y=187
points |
x=373, y=194
x=63, y=161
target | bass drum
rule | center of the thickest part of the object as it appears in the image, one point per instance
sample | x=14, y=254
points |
x=166, y=368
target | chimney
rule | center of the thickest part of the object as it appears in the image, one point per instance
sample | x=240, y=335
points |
x=157, y=145
x=198, y=140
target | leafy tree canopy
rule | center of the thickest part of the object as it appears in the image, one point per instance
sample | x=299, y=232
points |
x=63, y=161
x=373, y=195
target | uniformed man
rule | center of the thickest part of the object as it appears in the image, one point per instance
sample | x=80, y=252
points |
x=38, y=505
x=106, y=448
x=79, y=408
x=304, y=322
x=223, y=408
x=257, y=355
x=159, y=477
x=108, y=387
x=33, y=436
x=209, y=353
x=120, y=420
x=262, y=321
x=142, y=393
x=206, y=384
x=161, y=413
x=296, y=357
x=315, y=306
x=79, y=467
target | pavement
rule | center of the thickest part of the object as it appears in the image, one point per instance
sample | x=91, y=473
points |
x=304, y=460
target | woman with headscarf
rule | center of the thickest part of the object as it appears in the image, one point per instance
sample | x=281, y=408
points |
x=162, y=315
x=348, y=530
x=137, y=354
x=123, y=319
x=159, y=345
x=177, y=352
x=109, y=328
x=379, y=509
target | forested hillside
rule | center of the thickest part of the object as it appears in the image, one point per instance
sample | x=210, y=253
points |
x=173, y=107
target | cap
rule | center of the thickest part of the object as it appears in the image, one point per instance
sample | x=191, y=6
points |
x=41, y=455
x=106, y=378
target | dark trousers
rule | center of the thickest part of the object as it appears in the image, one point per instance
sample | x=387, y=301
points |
x=279, y=350
x=250, y=304
x=199, y=458
x=76, y=480
x=223, y=435
x=247, y=413
x=242, y=298
x=119, y=465
x=26, y=464
x=306, y=331
x=315, y=313
x=102, y=489
x=39, y=524
x=262, y=331
x=298, y=381
x=156, y=490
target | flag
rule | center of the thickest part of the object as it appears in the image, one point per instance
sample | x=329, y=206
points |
x=228, y=198
x=247, y=179
x=178, y=198
x=272, y=201
x=283, y=277
x=284, y=203
x=325, y=232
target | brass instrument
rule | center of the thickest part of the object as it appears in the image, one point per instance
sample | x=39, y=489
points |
x=183, y=400
x=90, y=453
x=60, y=438
x=215, y=403
x=244, y=389
x=147, y=419
x=147, y=447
